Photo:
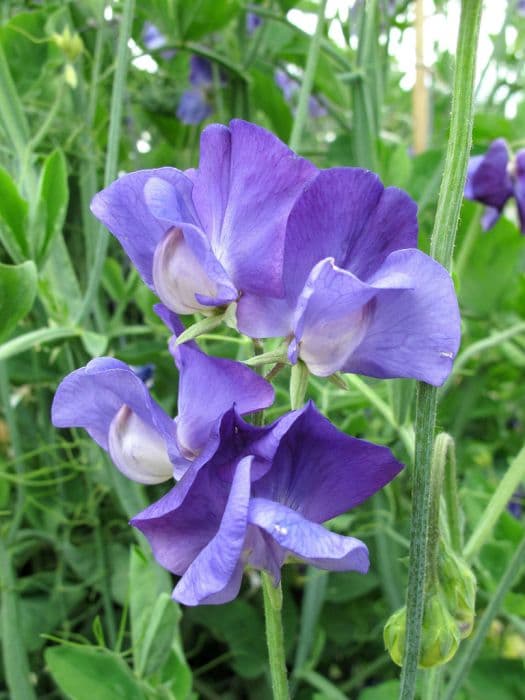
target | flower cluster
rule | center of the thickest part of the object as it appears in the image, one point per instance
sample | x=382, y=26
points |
x=324, y=259
x=494, y=178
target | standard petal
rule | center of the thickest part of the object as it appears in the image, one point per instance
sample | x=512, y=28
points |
x=331, y=318
x=208, y=388
x=413, y=323
x=346, y=214
x=108, y=399
x=246, y=184
x=212, y=571
x=264, y=317
x=122, y=208
x=320, y=472
x=487, y=178
x=308, y=541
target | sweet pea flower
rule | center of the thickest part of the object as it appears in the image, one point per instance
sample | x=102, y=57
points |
x=265, y=502
x=358, y=296
x=290, y=87
x=201, y=238
x=493, y=178
x=195, y=106
x=113, y=404
x=154, y=39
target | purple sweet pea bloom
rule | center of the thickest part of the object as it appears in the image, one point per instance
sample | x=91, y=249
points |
x=112, y=403
x=202, y=237
x=233, y=511
x=201, y=74
x=289, y=87
x=193, y=107
x=153, y=39
x=521, y=7
x=252, y=22
x=358, y=296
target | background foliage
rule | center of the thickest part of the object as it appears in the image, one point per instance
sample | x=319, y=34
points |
x=84, y=611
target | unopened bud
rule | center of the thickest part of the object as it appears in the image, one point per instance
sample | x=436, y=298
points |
x=458, y=584
x=70, y=76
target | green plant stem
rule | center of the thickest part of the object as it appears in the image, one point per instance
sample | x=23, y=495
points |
x=437, y=470
x=28, y=340
x=441, y=248
x=514, y=476
x=110, y=171
x=308, y=80
x=472, y=646
x=273, y=601
x=451, y=495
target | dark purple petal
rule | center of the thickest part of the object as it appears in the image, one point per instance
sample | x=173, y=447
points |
x=413, y=322
x=245, y=186
x=215, y=574
x=320, y=472
x=488, y=181
x=208, y=388
x=252, y=22
x=107, y=399
x=122, y=208
x=308, y=541
x=519, y=187
x=200, y=71
x=193, y=107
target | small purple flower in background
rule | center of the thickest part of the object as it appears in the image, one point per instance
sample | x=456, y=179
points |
x=358, y=296
x=194, y=106
x=521, y=7
x=201, y=238
x=264, y=502
x=289, y=87
x=153, y=39
x=252, y=22
x=493, y=179
x=112, y=403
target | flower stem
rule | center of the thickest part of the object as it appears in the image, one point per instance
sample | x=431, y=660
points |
x=441, y=248
x=308, y=80
x=273, y=601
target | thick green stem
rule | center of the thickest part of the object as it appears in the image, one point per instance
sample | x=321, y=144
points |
x=273, y=601
x=441, y=248
x=514, y=476
x=308, y=80
x=110, y=172
x=473, y=645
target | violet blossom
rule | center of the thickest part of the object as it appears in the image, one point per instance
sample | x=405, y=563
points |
x=261, y=499
x=493, y=179
x=154, y=39
x=203, y=237
x=195, y=106
x=290, y=87
x=113, y=404
x=358, y=296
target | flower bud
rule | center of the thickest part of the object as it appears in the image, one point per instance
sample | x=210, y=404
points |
x=458, y=585
x=137, y=449
x=70, y=44
x=440, y=635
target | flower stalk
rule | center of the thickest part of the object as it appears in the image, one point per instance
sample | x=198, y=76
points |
x=442, y=246
x=273, y=601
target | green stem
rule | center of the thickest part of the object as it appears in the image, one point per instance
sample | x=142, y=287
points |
x=441, y=248
x=273, y=601
x=497, y=504
x=472, y=647
x=439, y=457
x=442, y=245
x=28, y=340
x=110, y=172
x=308, y=80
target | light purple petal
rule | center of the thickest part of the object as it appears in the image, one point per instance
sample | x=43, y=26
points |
x=490, y=218
x=264, y=317
x=93, y=398
x=245, y=186
x=122, y=208
x=320, y=472
x=208, y=388
x=413, y=323
x=309, y=541
x=217, y=564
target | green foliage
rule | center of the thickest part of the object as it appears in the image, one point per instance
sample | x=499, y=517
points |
x=17, y=294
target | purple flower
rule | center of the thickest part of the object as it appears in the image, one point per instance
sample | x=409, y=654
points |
x=153, y=39
x=193, y=107
x=201, y=74
x=493, y=179
x=358, y=296
x=252, y=22
x=289, y=87
x=113, y=404
x=521, y=7
x=264, y=502
x=202, y=237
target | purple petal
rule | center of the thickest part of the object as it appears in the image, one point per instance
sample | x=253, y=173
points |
x=309, y=541
x=200, y=71
x=122, y=208
x=519, y=187
x=245, y=186
x=213, y=576
x=320, y=472
x=139, y=437
x=264, y=317
x=331, y=317
x=490, y=218
x=488, y=181
x=193, y=107
x=152, y=37
x=413, y=324
x=208, y=388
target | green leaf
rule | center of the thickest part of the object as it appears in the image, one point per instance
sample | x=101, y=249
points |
x=95, y=344
x=202, y=17
x=52, y=199
x=86, y=673
x=13, y=218
x=17, y=294
x=383, y=691
x=58, y=284
x=268, y=98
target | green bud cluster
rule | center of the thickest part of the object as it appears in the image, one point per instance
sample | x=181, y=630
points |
x=458, y=584
x=70, y=44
